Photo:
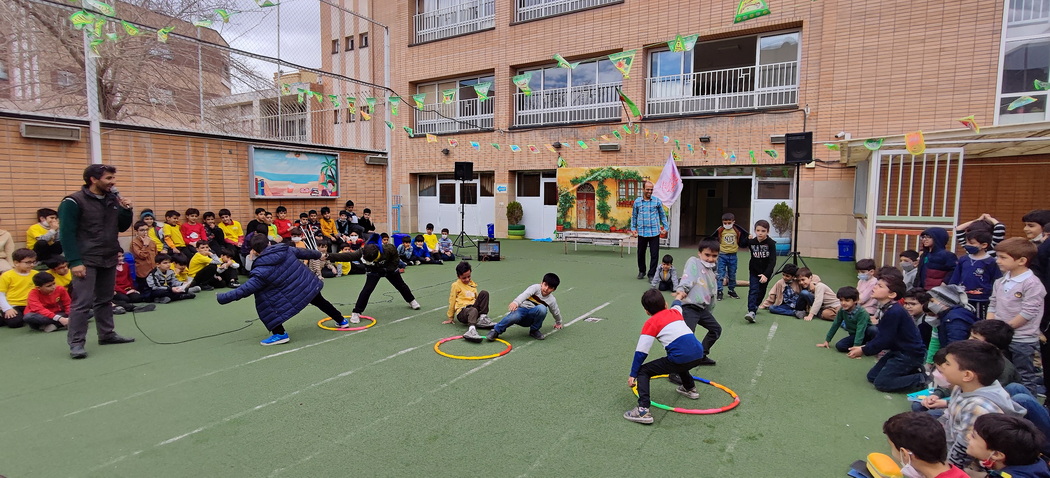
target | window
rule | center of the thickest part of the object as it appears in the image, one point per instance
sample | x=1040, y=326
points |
x=533, y=9
x=427, y=185
x=1025, y=61
x=3, y=70
x=465, y=113
x=550, y=193
x=860, y=189
x=528, y=185
x=350, y=116
x=447, y=193
x=468, y=193
x=161, y=51
x=337, y=115
x=488, y=184
x=627, y=190
x=724, y=75
x=364, y=40
x=561, y=95
x=437, y=19
x=773, y=190
x=349, y=42
x=65, y=79
x=335, y=46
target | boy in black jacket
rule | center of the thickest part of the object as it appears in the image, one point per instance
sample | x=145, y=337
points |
x=378, y=264
x=760, y=269
x=900, y=369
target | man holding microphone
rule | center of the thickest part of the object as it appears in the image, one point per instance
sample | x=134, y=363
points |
x=89, y=221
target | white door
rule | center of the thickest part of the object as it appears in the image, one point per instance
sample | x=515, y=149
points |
x=538, y=194
x=549, y=215
x=454, y=198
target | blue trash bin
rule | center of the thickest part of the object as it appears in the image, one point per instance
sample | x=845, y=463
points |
x=492, y=231
x=847, y=250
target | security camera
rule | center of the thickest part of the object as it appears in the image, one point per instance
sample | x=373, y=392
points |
x=842, y=134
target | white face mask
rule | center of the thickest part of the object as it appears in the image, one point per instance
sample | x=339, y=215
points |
x=907, y=470
x=907, y=266
x=709, y=265
x=444, y=236
x=353, y=238
x=863, y=276
x=297, y=239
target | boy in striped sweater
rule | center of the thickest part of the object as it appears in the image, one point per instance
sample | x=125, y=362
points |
x=684, y=352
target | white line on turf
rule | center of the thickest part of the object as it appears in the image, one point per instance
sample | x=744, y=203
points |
x=731, y=445
x=443, y=386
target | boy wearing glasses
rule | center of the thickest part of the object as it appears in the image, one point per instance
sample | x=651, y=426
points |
x=15, y=285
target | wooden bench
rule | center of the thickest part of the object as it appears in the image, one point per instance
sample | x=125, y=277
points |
x=594, y=238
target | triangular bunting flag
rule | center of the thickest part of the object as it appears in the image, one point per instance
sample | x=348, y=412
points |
x=482, y=90
x=970, y=123
x=431, y=138
x=873, y=144
x=565, y=64
x=772, y=153
x=522, y=82
x=832, y=146
x=915, y=143
x=453, y=142
x=515, y=148
x=748, y=9
x=622, y=61
x=495, y=145
x=561, y=162
x=582, y=143
x=411, y=133
x=448, y=96
x=475, y=145
x=394, y=102
x=533, y=149
x=389, y=125
x=420, y=100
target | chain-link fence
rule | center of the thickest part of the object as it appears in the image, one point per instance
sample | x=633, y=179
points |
x=232, y=67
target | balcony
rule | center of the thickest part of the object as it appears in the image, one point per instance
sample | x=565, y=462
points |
x=465, y=17
x=1025, y=12
x=577, y=104
x=751, y=87
x=434, y=118
x=534, y=9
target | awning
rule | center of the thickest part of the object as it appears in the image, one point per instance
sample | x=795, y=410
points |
x=992, y=142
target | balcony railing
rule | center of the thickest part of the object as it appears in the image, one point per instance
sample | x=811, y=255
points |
x=465, y=17
x=1024, y=12
x=469, y=115
x=533, y=9
x=751, y=87
x=568, y=105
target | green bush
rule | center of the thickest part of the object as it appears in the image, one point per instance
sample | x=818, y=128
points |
x=514, y=212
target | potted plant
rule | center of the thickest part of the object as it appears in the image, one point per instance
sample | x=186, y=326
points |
x=782, y=218
x=514, y=215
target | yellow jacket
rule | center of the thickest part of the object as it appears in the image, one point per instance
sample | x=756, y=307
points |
x=461, y=296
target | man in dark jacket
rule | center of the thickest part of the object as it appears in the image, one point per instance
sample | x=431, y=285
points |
x=89, y=221
x=377, y=265
x=936, y=264
x=282, y=286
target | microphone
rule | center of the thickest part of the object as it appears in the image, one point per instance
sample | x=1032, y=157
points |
x=116, y=194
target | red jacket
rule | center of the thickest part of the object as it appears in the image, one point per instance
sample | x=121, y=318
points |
x=193, y=233
x=284, y=228
x=48, y=305
x=123, y=283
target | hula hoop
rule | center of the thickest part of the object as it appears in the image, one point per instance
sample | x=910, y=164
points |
x=437, y=348
x=698, y=411
x=320, y=323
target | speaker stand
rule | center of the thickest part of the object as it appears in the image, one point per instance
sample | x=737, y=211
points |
x=794, y=257
x=463, y=239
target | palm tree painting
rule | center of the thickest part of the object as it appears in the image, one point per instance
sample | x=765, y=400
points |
x=330, y=174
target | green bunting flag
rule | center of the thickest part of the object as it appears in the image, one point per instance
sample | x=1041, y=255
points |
x=677, y=145
x=351, y=104
x=395, y=102
x=873, y=144
x=410, y=132
x=420, y=100
x=680, y=43
x=335, y=101
x=267, y=3
x=100, y=23
x=94, y=46
x=301, y=93
x=752, y=154
x=389, y=125
x=582, y=143
x=448, y=96
x=317, y=96
x=482, y=90
x=748, y=9
x=637, y=129
x=622, y=61
x=371, y=102
x=561, y=162
x=113, y=37
x=565, y=64
x=630, y=105
x=522, y=82
x=495, y=145
x=1041, y=85
x=626, y=129
x=225, y=15
x=832, y=146
x=162, y=34
x=103, y=8
x=130, y=29
x=617, y=134
x=772, y=153
x=202, y=23
x=81, y=19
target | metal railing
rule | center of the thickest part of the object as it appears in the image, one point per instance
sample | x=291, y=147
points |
x=533, y=9
x=465, y=17
x=750, y=87
x=1028, y=11
x=568, y=105
x=461, y=115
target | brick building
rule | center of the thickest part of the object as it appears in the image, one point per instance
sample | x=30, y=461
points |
x=868, y=70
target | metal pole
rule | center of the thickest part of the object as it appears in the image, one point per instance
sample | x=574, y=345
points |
x=200, y=80
x=91, y=85
x=389, y=153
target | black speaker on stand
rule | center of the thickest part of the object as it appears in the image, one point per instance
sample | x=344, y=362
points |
x=798, y=151
x=464, y=172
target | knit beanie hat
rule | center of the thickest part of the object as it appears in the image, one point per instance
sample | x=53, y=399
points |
x=145, y=213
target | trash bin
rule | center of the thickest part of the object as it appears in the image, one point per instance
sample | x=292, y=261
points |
x=492, y=231
x=847, y=250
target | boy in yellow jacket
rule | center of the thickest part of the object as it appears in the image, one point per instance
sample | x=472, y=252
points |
x=468, y=305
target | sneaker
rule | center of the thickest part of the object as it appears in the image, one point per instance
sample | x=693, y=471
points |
x=641, y=275
x=50, y=328
x=732, y=293
x=234, y=284
x=639, y=415
x=674, y=378
x=707, y=361
x=162, y=300
x=536, y=334
x=118, y=310
x=692, y=394
x=719, y=296
x=194, y=290
x=355, y=318
x=484, y=322
x=414, y=305
x=800, y=314
x=750, y=317
x=188, y=295
x=77, y=352
x=144, y=308
x=343, y=324
x=206, y=287
x=275, y=339
x=492, y=335
x=471, y=335
x=116, y=339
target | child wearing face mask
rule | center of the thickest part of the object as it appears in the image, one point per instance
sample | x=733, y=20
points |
x=697, y=289
x=909, y=263
x=445, y=247
x=1008, y=446
x=953, y=316
x=353, y=241
x=865, y=283
x=917, y=442
x=977, y=272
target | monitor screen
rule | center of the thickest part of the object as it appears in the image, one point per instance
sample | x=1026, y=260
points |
x=488, y=248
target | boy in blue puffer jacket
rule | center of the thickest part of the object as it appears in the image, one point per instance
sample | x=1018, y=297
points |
x=936, y=263
x=282, y=286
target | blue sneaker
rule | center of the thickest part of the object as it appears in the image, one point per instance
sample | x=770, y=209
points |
x=275, y=339
x=345, y=324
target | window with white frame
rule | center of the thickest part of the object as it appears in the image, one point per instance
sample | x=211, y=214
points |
x=561, y=95
x=526, y=10
x=3, y=70
x=65, y=79
x=1025, y=62
x=437, y=19
x=466, y=112
x=627, y=190
x=724, y=75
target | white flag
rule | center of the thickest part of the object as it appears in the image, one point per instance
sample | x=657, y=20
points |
x=669, y=186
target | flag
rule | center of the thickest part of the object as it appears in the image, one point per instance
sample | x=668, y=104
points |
x=565, y=64
x=674, y=154
x=677, y=145
x=617, y=134
x=915, y=143
x=690, y=147
x=448, y=96
x=748, y=9
x=637, y=128
x=420, y=100
x=389, y=125
x=772, y=153
x=411, y=133
x=82, y=19
x=105, y=8
x=626, y=129
x=350, y=102
x=732, y=157
x=162, y=34
x=453, y=142
x=371, y=104
x=130, y=29
x=832, y=146
x=669, y=187
x=971, y=123
x=550, y=147
x=335, y=100
x=1041, y=85
x=752, y=154
x=482, y=90
x=561, y=162
x=703, y=150
x=475, y=145
x=224, y=14
x=604, y=137
x=394, y=102
x=495, y=145
x=1024, y=100
x=431, y=138
x=873, y=144
x=522, y=82
x=515, y=148
x=533, y=149
x=622, y=61
x=667, y=139
x=630, y=104
x=681, y=43
x=582, y=143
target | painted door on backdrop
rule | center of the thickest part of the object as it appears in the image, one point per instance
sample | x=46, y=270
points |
x=585, y=206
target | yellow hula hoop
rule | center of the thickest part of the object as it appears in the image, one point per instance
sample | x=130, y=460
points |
x=320, y=323
x=437, y=348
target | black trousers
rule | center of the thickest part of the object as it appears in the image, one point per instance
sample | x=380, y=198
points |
x=693, y=316
x=372, y=280
x=653, y=245
x=662, y=366
x=206, y=276
x=17, y=321
x=321, y=303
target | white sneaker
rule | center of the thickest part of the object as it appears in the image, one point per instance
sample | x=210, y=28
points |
x=194, y=290
x=414, y=305
x=484, y=322
x=355, y=318
x=472, y=335
x=50, y=328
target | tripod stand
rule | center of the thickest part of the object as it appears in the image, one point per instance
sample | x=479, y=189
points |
x=794, y=257
x=463, y=239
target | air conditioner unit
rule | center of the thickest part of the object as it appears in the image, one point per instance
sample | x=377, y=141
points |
x=777, y=139
x=608, y=146
x=376, y=160
x=49, y=131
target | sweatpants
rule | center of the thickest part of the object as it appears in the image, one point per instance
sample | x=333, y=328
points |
x=372, y=280
x=695, y=315
x=37, y=321
x=469, y=314
x=321, y=303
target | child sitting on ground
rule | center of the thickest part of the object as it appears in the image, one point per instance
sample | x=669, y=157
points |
x=851, y=317
x=58, y=267
x=823, y=302
x=47, y=307
x=936, y=264
x=379, y=263
x=684, y=352
x=954, y=316
x=971, y=367
x=164, y=287
x=977, y=271
x=760, y=268
x=15, y=286
x=323, y=268
x=899, y=370
x=783, y=298
x=1018, y=299
x=430, y=240
x=865, y=282
x=1008, y=446
x=404, y=251
x=696, y=290
x=530, y=307
x=666, y=278
x=282, y=287
x=125, y=292
x=346, y=267
x=917, y=442
x=445, y=247
x=467, y=304
x=421, y=251
x=209, y=270
x=909, y=263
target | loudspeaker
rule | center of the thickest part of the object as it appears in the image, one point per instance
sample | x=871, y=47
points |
x=798, y=148
x=464, y=171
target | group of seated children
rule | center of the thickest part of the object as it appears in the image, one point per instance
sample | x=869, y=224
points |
x=426, y=248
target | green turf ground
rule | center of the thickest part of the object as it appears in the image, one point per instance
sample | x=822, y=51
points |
x=382, y=403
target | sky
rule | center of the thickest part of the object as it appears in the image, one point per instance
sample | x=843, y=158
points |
x=256, y=30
